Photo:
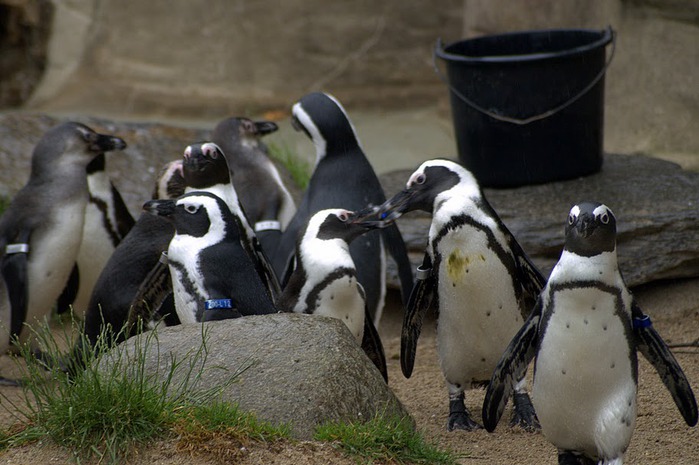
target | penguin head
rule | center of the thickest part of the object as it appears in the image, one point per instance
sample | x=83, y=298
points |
x=204, y=165
x=195, y=214
x=323, y=119
x=71, y=143
x=170, y=182
x=336, y=223
x=233, y=134
x=590, y=230
x=430, y=184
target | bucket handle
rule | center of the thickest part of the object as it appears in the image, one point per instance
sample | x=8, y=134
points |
x=531, y=119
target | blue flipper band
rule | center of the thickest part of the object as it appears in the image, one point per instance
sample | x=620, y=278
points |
x=218, y=303
x=16, y=248
x=268, y=225
x=643, y=322
x=422, y=273
x=163, y=258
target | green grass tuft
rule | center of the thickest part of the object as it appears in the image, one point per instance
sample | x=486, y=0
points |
x=102, y=411
x=299, y=169
x=383, y=440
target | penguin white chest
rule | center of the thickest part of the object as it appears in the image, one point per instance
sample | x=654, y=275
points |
x=52, y=254
x=187, y=281
x=478, y=310
x=343, y=300
x=95, y=250
x=584, y=388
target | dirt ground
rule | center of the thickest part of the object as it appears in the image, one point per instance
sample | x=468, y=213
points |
x=660, y=437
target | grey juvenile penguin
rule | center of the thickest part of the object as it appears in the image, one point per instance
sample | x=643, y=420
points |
x=262, y=192
x=41, y=230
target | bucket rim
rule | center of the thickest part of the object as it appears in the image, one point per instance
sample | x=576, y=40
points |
x=604, y=40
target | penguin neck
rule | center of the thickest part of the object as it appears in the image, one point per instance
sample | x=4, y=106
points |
x=325, y=254
x=603, y=267
x=228, y=194
x=336, y=147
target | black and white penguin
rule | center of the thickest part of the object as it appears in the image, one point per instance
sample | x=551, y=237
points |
x=42, y=228
x=213, y=277
x=132, y=261
x=257, y=181
x=343, y=178
x=325, y=283
x=584, y=333
x=475, y=274
x=107, y=221
x=205, y=168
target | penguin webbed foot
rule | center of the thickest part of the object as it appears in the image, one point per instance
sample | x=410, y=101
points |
x=570, y=458
x=523, y=413
x=459, y=417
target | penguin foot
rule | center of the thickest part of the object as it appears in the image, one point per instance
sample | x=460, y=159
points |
x=570, y=458
x=459, y=417
x=523, y=414
x=463, y=421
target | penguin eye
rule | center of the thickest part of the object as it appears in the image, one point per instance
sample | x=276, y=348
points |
x=420, y=178
x=343, y=217
x=604, y=218
x=191, y=208
x=571, y=219
x=249, y=126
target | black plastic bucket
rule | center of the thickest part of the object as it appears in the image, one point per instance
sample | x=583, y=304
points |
x=528, y=107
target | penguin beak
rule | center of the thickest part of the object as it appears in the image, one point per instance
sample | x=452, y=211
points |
x=163, y=207
x=265, y=127
x=586, y=225
x=392, y=209
x=105, y=143
x=365, y=218
x=371, y=218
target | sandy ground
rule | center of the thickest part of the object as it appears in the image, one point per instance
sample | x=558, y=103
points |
x=661, y=436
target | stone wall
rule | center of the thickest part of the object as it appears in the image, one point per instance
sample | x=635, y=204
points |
x=197, y=61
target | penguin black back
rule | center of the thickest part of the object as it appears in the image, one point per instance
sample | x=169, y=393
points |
x=343, y=178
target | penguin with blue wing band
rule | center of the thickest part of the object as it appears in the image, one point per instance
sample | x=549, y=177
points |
x=213, y=277
x=205, y=168
x=584, y=334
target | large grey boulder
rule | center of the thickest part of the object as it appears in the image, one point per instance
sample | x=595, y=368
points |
x=656, y=204
x=288, y=369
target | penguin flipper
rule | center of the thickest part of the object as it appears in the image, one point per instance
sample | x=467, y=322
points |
x=395, y=245
x=529, y=275
x=269, y=277
x=511, y=368
x=372, y=346
x=125, y=221
x=419, y=302
x=654, y=349
x=13, y=266
x=70, y=292
x=152, y=292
